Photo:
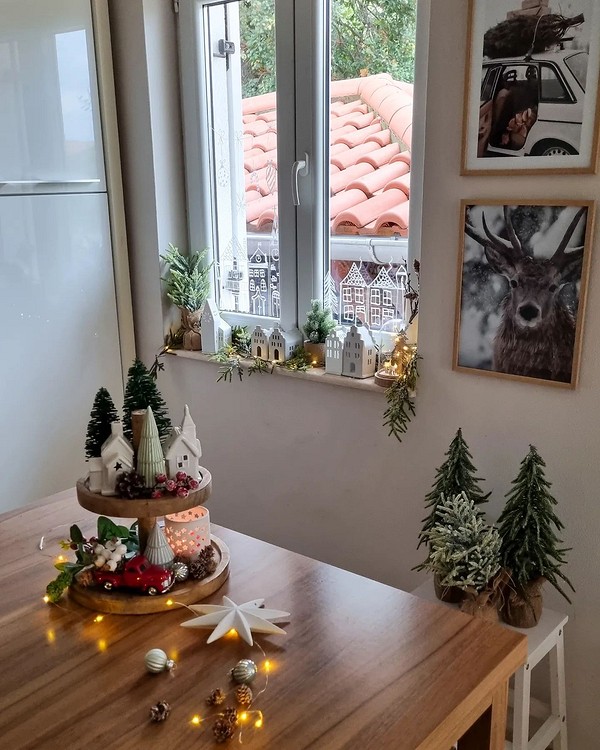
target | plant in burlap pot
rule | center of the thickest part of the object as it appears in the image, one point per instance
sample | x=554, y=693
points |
x=457, y=474
x=319, y=324
x=530, y=549
x=187, y=286
x=465, y=553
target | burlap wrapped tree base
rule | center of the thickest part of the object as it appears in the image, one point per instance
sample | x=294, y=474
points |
x=451, y=594
x=522, y=606
x=481, y=605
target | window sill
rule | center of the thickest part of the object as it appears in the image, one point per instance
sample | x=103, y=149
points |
x=314, y=375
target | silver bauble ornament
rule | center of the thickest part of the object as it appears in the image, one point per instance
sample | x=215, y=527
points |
x=181, y=571
x=157, y=661
x=244, y=672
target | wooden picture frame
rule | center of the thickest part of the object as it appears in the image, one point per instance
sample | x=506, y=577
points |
x=527, y=111
x=521, y=289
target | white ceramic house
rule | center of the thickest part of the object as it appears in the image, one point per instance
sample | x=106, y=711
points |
x=216, y=333
x=283, y=343
x=334, y=349
x=95, y=474
x=260, y=342
x=358, y=359
x=117, y=457
x=182, y=448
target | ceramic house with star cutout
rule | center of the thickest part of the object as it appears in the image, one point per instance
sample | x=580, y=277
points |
x=182, y=448
x=283, y=343
x=358, y=360
x=116, y=455
x=216, y=333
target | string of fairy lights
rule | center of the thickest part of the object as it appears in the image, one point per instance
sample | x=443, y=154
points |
x=234, y=720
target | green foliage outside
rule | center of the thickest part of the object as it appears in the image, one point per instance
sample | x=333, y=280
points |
x=367, y=37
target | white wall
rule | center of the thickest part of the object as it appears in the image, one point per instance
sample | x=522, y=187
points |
x=310, y=467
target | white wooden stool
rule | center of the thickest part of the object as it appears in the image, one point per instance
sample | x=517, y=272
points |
x=545, y=638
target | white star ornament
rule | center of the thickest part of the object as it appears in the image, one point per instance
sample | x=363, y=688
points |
x=244, y=618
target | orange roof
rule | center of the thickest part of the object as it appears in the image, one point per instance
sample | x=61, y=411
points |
x=371, y=125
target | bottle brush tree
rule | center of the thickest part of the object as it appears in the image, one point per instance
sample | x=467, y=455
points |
x=530, y=547
x=463, y=550
x=188, y=279
x=140, y=393
x=457, y=474
x=319, y=323
x=98, y=430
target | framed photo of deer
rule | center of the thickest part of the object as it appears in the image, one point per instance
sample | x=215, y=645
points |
x=521, y=292
x=532, y=87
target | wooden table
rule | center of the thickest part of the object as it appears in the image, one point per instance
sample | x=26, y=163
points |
x=363, y=666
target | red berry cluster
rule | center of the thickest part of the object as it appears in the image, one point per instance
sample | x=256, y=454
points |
x=181, y=486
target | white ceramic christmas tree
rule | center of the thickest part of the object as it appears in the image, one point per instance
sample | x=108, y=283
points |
x=158, y=550
x=150, y=459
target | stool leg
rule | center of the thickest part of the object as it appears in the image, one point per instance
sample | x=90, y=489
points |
x=558, y=692
x=521, y=708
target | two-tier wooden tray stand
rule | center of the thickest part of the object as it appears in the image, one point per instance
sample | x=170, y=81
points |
x=125, y=602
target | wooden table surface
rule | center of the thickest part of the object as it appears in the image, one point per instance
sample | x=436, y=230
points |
x=363, y=665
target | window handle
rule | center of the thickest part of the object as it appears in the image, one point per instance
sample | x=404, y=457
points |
x=299, y=169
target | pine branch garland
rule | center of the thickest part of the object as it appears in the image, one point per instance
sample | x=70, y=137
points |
x=400, y=400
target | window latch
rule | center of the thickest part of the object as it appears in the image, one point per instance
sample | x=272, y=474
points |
x=225, y=48
x=299, y=169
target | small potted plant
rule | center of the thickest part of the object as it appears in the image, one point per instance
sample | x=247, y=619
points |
x=464, y=552
x=319, y=324
x=187, y=286
x=530, y=549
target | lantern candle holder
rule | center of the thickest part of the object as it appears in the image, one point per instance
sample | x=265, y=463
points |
x=396, y=363
x=188, y=532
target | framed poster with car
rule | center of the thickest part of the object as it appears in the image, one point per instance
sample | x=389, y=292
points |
x=532, y=87
x=522, y=278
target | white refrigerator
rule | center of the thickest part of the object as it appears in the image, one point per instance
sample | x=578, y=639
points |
x=58, y=311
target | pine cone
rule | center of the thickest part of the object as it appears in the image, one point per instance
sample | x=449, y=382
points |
x=85, y=578
x=160, y=711
x=243, y=695
x=204, y=565
x=216, y=697
x=223, y=730
x=230, y=715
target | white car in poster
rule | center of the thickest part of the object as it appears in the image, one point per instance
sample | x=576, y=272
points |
x=532, y=106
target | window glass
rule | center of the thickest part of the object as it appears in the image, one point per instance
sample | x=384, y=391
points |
x=243, y=127
x=578, y=65
x=371, y=98
x=552, y=88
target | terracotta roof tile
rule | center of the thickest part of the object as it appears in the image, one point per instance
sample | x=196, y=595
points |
x=345, y=200
x=378, y=178
x=371, y=127
x=341, y=180
x=357, y=136
x=369, y=210
x=381, y=156
x=352, y=155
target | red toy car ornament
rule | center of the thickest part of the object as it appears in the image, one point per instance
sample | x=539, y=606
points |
x=137, y=574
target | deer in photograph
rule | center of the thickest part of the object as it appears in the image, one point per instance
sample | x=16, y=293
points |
x=536, y=334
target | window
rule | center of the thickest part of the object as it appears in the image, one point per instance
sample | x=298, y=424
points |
x=552, y=89
x=286, y=103
x=578, y=65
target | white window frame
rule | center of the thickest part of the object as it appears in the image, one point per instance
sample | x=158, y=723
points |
x=303, y=128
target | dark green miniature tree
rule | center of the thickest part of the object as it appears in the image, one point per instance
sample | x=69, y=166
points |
x=455, y=475
x=98, y=429
x=140, y=393
x=530, y=547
